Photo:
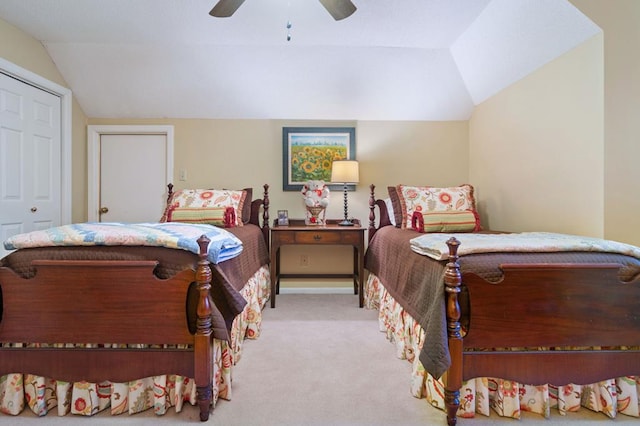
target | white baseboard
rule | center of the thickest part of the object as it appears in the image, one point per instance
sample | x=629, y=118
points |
x=316, y=290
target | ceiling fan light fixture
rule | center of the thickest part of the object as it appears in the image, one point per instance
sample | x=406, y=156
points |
x=225, y=8
x=339, y=9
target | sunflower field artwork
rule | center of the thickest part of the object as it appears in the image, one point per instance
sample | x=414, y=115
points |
x=308, y=153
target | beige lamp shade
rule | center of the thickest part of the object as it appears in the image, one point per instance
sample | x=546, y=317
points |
x=345, y=171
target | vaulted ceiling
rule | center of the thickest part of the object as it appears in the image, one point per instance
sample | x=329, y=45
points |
x=390, y=60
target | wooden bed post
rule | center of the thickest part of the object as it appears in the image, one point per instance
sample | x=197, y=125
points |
x=384, y=219
x=203, y=368
x=453, y=281
x=265, y=214
x=372, y=214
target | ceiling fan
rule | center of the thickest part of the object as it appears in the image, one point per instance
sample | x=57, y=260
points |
x=339, y=9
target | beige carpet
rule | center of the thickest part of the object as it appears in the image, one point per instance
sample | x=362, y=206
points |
x=319, y=361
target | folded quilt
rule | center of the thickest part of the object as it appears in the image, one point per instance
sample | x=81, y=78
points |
x=435, y=245
x=223, y=246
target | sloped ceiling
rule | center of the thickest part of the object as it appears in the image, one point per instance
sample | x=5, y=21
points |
x=391, y=60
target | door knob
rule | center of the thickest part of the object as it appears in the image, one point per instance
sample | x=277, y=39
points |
x=104, y=210
x=34, y=209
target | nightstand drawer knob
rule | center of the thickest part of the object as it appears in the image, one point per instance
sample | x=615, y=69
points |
x=317, y=237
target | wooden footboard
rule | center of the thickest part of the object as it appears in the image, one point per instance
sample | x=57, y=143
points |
x=107, y=301
x=534, y=312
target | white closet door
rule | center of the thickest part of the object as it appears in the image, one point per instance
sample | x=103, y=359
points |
x=30, y=163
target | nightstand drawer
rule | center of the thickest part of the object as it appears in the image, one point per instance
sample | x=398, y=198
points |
x=286, y=237
x=319, y=237
x=351, y=237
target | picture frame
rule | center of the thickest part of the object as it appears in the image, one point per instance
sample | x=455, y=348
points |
x=309, y=152
x=283, y=217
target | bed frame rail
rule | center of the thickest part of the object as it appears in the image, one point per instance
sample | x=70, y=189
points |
x=552, y=367
x=97, y=364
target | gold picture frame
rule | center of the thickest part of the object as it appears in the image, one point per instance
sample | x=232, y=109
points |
x=308, y=154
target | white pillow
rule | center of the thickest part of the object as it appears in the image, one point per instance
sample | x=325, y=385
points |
x=392, y=217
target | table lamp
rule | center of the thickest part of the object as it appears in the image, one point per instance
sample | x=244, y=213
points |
x=345, y=172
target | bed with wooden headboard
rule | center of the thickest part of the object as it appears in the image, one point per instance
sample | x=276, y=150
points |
x=512, y=329
x=139, y=326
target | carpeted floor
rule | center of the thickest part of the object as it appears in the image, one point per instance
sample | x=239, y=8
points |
x=319, y=361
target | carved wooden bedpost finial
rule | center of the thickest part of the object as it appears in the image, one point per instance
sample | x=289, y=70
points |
x=169, y=192
x=204, y=330
x=452, y=282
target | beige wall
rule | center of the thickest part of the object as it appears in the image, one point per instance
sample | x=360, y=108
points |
x=620, y=21
x=28, y=53
x=589, y=98
x=537, y=148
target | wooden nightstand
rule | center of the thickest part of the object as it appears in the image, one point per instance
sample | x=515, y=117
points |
x=330, y=234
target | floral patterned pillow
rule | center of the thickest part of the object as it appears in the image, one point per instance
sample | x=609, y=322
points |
x=207, y=199
x=426, y=199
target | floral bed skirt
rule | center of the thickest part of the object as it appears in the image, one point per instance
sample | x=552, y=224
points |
x=505, y=397
x=42, y=394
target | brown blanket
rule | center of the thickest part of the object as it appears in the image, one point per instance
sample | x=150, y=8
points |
x=416, y=281
x=234, y=273
x=228, y=277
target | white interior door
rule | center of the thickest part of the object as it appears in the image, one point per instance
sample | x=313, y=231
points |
x=130, y=167
x=30, y=158
x=132, y=177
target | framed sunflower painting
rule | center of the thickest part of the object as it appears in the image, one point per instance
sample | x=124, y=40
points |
x=309, y=152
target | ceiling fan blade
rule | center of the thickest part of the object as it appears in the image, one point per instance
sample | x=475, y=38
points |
x=339, y=9
x=225, y=8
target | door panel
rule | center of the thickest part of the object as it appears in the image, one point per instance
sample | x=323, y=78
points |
x=133, y=170
x=30, y=158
